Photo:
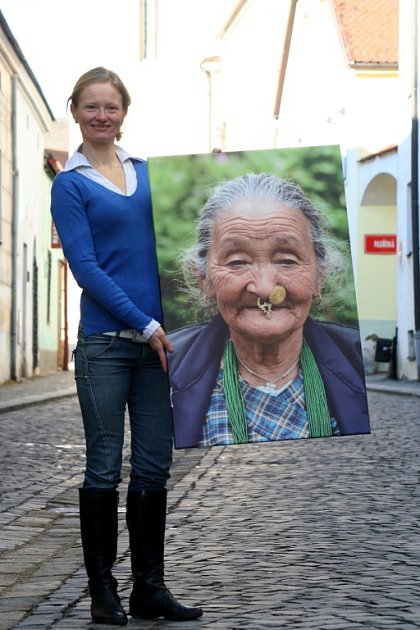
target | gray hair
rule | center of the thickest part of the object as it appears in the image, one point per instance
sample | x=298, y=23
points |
x=254, y=187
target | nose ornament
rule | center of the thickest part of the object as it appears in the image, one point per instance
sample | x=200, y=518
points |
x=276, y=297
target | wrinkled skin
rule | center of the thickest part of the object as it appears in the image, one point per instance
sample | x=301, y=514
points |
x=256, y=246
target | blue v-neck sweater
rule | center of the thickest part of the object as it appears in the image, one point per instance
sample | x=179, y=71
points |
x=108, y=240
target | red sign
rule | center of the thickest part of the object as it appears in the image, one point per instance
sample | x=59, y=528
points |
x=380, y=243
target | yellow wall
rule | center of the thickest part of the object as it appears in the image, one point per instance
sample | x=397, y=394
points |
x=376, y=272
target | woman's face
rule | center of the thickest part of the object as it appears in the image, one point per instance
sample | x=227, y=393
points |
x=99, y=112
x=256, y=246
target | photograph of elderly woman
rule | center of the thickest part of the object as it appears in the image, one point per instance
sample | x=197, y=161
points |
x=258, y=296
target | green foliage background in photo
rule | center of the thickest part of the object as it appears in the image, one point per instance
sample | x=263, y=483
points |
x=182, y=184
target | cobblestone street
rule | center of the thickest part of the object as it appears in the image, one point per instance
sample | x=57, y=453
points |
x=317, y=534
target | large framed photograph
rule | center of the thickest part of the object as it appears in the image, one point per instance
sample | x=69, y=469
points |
x=258, y=296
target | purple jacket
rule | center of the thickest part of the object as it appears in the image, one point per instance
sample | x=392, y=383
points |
x=195, y=361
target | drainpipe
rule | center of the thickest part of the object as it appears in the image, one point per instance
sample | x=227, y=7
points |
x=285, y=57
x=210, y=66
x=415, y=189
x=15, y=245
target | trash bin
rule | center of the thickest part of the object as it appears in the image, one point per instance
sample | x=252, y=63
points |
x=383, y=352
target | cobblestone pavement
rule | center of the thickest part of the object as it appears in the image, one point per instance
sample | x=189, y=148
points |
x=319, y=534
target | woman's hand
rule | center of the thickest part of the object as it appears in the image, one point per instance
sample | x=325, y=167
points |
x=161, y=344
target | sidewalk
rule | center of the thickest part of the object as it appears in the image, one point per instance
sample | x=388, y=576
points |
x=380, y=383
x=37, y=389
x=61, y=385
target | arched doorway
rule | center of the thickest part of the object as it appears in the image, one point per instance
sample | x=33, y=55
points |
x=377, y=259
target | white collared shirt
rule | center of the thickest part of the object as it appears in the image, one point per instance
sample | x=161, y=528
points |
x=78, y=162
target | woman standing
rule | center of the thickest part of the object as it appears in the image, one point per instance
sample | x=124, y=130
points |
x=101, y=207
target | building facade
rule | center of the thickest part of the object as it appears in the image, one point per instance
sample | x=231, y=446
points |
x=263, y=74
x=28, y=283
x=267, y=74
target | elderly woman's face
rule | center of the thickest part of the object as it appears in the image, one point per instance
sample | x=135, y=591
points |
x=256, y=246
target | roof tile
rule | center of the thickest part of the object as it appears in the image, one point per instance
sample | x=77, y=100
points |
x=369, y=29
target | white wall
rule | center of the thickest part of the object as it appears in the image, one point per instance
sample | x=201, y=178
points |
x=405, y=297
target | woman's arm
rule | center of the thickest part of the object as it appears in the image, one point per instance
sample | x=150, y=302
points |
x=71, y=221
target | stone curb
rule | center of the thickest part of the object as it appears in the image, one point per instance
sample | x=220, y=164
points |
x=409, y=390
x=35, y=399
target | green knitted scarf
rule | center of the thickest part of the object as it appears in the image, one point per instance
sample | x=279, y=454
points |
x=319, y=420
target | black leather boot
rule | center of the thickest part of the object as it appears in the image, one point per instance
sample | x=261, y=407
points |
x=150, y=598
x=99, y=529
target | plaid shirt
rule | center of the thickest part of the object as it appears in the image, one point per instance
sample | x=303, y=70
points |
x=270, y=415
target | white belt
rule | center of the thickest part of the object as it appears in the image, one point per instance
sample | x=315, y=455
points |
x=134, y=335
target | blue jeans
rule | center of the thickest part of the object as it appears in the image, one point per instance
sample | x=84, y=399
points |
x=112, y=374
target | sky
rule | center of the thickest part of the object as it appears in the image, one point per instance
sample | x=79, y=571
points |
x=61, y=39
